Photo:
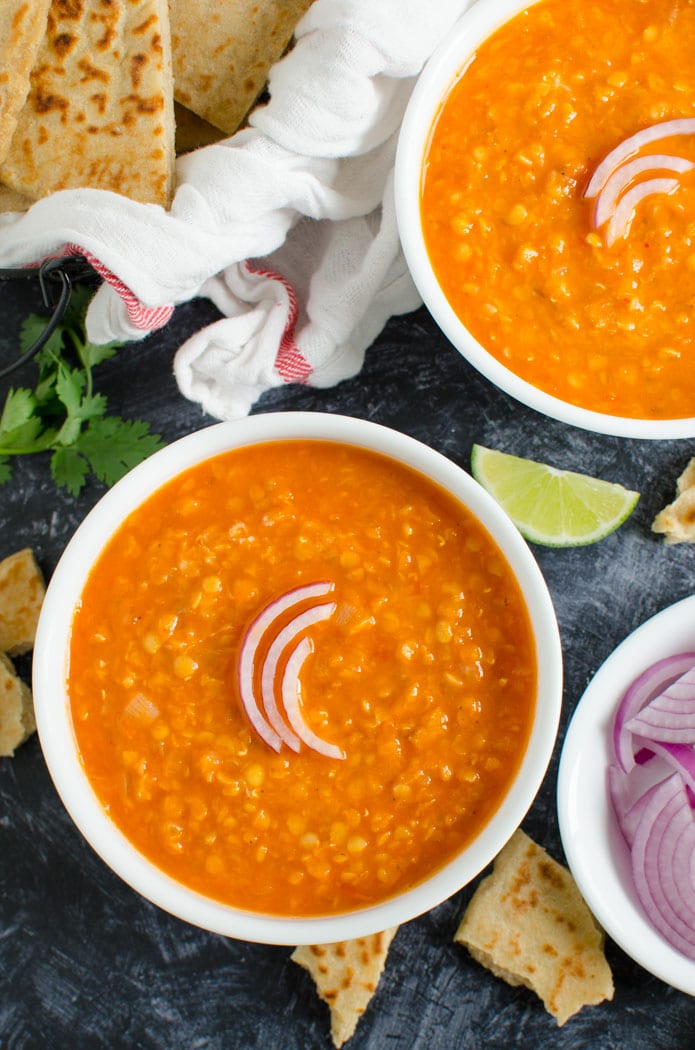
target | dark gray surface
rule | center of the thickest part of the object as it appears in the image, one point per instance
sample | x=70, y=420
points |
x=85, y=963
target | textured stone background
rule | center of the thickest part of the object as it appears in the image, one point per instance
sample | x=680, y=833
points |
x=85, y=963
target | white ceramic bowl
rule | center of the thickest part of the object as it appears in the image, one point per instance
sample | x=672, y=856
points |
x=596, y=851
x=434, y=83
x=52, y=704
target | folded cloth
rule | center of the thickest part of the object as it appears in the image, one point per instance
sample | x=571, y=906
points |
x=288, y=226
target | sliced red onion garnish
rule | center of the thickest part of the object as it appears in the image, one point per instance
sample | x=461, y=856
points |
x=652, y=681
x=249, y=648
x=652, y=792
x=269, y=675
x=630, y=794
x=660, y=886
x=670, y=715
x=679, y=758
x=291, y=695
x=621, y=218
x=621, y=178
x=629, y=146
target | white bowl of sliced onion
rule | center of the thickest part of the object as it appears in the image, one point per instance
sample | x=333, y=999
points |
x=626, y=789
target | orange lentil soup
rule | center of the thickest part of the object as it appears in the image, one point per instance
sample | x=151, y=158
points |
x=424, y=676
x=511, y=235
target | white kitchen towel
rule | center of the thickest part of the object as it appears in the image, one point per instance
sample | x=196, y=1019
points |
x=287, y=226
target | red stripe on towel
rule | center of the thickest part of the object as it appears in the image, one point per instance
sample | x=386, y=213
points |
x=290, y=363
x=147, y=318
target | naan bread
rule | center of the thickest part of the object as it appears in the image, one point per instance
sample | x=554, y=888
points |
x=346, y=975
x=16, y=709
x=22, y=28
x=677, y=521
x=223, y=50
x=528, y=924
x=100, y=107
x=22, y=592
x=11, y=201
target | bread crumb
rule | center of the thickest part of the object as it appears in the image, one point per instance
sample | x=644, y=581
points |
x=22, y=592
x=677, y=521
x=529, y=925
x=346, y=975
x=16, y=709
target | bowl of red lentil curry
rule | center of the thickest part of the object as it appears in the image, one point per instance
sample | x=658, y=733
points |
x=545, y=185
x=297, y=678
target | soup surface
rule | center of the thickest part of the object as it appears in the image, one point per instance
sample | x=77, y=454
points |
x=422, y=678
x=603, y=323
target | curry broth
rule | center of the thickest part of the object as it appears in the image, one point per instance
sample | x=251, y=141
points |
x=509, y=232
x=425, y=676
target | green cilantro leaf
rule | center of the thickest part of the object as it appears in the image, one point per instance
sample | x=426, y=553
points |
x=18, y=409
x=69, y=469
x=32, y=328
x=63, y=414
x=91, y=355
x=112, y=446
x=24, y=438
x=70, y=384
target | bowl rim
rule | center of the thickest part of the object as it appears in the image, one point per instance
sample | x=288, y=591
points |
x=596, y=851
x=50, y=667
x=446, y=65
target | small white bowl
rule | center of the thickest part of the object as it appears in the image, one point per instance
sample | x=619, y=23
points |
x=52, y=702
x=434, y=84
x=596, y=851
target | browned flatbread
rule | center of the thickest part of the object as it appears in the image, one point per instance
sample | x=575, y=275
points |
x=16, y=709
x=100, y=109
x=677, y=521
x=21, y=596
x=22, y=28
x=528, y=924
x=192, y=132
x=346, y=975
x=11, y=201
x=223, y=50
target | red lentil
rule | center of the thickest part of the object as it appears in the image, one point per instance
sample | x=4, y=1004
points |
x=509, y=232
x=425, y=676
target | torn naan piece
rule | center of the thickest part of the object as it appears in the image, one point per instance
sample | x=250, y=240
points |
x=677, y=521
x=528, y=923
x=223, y=51
x=100, y=109
x=22, y=591
x=17, y=721
x=22, y=29
x=346, y=975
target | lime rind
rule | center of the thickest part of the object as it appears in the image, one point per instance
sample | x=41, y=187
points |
x=552, y=507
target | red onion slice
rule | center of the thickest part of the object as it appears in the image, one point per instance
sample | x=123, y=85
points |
x=679, y=758
x=666, y=819
x=269, y=674
x=291, y=695
x=630, y=795
x=622, y=217
x=670, y=715
x=629, y=146
x=249, y=648
x=624, y=175
x=650, y=682
x=684, y=860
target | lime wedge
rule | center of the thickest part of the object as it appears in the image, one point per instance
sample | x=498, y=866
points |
x=556, y=508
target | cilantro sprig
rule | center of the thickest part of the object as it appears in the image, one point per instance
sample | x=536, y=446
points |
x=64, y=415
